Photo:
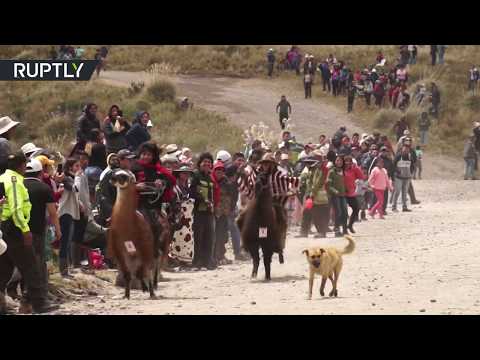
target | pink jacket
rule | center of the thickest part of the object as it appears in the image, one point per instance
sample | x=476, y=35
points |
x=379, y=180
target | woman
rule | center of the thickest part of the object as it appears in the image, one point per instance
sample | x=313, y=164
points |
x=96, y=165
x=379, y=182
x=116, y=129
x=138, y=133
x=68, y=211
x=86, y=123
x=202, y=190
x=337, y=191
x=352, y=174
x=182, y=245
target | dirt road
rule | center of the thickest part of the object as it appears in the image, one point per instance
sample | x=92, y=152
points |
x=424, y=262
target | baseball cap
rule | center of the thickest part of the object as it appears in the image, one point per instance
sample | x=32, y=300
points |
x=34, y=166
x=125, y=154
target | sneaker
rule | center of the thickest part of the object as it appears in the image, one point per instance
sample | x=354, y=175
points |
x=320, y=236
x=406, y=210
x=394, y=210
x=416, y=202
x=301, y=236
x=241, y=257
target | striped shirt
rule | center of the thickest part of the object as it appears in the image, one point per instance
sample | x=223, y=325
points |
x=281, y=185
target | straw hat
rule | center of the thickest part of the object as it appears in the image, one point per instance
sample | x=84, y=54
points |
x=6, y=123
x=268, y=157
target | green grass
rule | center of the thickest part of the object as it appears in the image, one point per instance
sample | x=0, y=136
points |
x=48, y=110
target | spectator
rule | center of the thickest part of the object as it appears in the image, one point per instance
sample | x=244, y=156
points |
x=404, y=166
x=270, y=62
x=471, y=158
x=418, y=163
x=337, y=191
x=412, y=49
x=116, y=129
x=285, y=110
x=352, y=173
x=473, y=77
x=326, y=76
x=96, y=165
x=379, y=182
x=68, y=211
x=202, y=190
x=7, y=129
x=435, y=100
x=42, y=199
x=441, y=53
x=20, y=253
x=400, y=127
x=423, y=126
x=378, y=93
x=138, y=133
x=86, y=123
x=350, y=98
x=307, y=84
x=433, y=54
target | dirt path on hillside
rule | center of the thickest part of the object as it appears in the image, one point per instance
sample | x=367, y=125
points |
x=424, y=262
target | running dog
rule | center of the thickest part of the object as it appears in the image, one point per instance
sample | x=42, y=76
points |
x=328, y=263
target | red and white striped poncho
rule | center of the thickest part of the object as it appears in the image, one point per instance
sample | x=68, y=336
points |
x=280, y=184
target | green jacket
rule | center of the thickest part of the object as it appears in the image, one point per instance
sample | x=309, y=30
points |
x=18, y=206
x=335, y=183
x=316, y=186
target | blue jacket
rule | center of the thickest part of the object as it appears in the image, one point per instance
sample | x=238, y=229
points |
x=137, y=135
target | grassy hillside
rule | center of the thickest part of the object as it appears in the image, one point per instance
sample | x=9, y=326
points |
x=47, y=112
x=458, y=109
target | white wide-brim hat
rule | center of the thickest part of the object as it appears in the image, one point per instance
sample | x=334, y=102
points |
x=6, y=123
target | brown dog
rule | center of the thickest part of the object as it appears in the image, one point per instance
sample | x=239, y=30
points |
x=328, y=263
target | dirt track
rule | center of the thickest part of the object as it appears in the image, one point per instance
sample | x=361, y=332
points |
x=424, y=262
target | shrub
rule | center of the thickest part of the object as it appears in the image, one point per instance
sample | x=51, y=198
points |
x=161, y=91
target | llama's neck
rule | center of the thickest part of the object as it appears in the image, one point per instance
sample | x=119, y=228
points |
x=127, y=199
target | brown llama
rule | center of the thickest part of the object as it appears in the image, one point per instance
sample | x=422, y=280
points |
x=259, y=227
x=130, y=238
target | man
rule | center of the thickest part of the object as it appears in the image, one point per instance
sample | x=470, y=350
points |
x=42, y=199
x=106, y=193
x=404, y=166
x=470, y=157
x=423, y=126
x=413, y=154
x=270, y=62
x=285, y=110
x=326, y=75
x=7, y=129
x=285, y=166
x=441, y=53
x=15, y=227
x=433, y=54
x=400, y=127
x=435, y=100
x=368, y=158
x=401, y=141
x=350, y=97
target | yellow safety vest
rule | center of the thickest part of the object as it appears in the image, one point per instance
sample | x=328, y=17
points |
x=18, y=205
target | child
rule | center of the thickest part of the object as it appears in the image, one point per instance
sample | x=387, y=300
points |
x=418, y=164
x=379, y=181
x=361, y=188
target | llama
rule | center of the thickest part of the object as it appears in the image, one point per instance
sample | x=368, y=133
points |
x=130, y=238
x=259, y=226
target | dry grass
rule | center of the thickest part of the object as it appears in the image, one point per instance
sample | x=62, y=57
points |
x=48, y=110
x=458, y=108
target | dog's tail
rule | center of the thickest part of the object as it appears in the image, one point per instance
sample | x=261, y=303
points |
x=350, y=247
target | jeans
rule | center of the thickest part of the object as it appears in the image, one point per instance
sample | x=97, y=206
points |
x=441, y=55
x=423, y=137
x=401, y=186
x=469, y=168
x=235, y=234
x=350, y=104
x=326, y=84
x=379, y=194
x=66, y=227
x=308, y=89
x=341, y=211
x=203, y=239
x=353, y=203
x=270, y=69
x=221, y=237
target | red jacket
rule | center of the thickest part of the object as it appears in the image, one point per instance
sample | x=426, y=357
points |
x=350, y=176
x=216, y=185
x=151, y=172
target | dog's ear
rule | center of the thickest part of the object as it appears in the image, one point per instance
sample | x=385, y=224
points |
x=322, y=251
x=305, y=252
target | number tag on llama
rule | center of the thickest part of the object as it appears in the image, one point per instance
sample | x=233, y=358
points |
x=262, y=232
x=130, y=247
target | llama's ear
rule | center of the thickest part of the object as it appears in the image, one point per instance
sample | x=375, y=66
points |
x=305, y=252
